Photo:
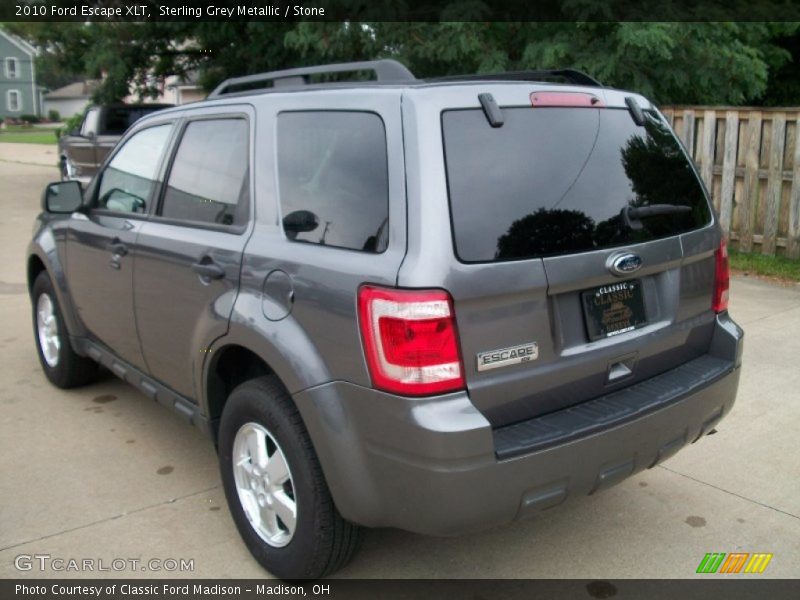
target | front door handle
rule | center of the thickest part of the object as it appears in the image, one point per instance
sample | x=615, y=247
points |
x=118, y=248
x=208, y=270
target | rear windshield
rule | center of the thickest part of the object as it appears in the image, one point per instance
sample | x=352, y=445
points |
x=119, y=118
x=557, y=180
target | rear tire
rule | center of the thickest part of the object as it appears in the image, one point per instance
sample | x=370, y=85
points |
x=267, y=460
x=62, y=366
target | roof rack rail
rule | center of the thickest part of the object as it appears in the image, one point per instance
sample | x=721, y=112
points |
x=570, y=75
x=386, y=70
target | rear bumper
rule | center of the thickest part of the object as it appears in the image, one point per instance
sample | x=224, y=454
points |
x=436, y=466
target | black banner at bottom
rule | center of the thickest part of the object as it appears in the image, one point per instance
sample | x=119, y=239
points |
x=732, y=588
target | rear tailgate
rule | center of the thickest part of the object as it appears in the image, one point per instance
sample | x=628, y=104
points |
x=538, y=209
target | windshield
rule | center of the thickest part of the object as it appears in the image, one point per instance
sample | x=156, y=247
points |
x=555, y=181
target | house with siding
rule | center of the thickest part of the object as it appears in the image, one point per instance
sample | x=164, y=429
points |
x=19, y=94
x=71, y=99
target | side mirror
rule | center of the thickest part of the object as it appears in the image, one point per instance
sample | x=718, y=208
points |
x=299, y=221
x=62, y=197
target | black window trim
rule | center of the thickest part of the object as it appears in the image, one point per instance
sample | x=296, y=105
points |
x=657, y=114
x=95, y=185
x=161, y=190
x=388, y=183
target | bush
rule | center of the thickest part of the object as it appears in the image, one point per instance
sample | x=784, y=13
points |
x=74, y=122
x=53, y=115
x=30, y=119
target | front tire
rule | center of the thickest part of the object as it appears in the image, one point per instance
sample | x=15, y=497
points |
x=274, y=485
x=67, y=169
x=62, y=366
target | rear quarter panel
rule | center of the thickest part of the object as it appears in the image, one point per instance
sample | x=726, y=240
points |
x=319, y=340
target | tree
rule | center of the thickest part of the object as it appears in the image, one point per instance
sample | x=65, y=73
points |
x=727, y=63
x=709, y=63
x=783, y=86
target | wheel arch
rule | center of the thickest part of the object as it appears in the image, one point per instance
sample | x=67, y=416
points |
x=35, y=266
x=229, y=366
x=246, y=353
x=45, y=256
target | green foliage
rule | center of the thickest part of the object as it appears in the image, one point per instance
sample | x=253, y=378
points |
x=783, y=87
x=671, y=62
x=765, y=266
x=72, y=123
x=53, y=115
x=708, y=63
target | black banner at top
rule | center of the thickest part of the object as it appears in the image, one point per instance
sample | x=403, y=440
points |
x=402, y=10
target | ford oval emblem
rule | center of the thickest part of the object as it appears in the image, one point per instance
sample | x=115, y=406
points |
x=624, y=264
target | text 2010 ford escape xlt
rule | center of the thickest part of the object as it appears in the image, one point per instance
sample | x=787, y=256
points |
x=438, y=305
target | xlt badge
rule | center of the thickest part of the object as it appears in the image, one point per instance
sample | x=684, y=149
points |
x=505, y=357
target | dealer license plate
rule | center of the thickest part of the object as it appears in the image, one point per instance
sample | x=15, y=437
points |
x=613, y=309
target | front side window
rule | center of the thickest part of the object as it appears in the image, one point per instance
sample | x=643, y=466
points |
x=13, y=101
x=12, y=68
x=128, y=180
x=209, y=182
x=333, y=178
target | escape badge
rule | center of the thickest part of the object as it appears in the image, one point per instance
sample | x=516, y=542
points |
x=505, y=357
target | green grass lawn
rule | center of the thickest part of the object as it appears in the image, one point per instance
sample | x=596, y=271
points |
x=766, y=266
x=28, y=135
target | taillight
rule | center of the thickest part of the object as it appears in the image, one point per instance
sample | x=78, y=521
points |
x=410, y=340
x=722, y=276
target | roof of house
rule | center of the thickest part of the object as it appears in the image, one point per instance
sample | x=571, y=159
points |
x=19, y=43
x=77, y=89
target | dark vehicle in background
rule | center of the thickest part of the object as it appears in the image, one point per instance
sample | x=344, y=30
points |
x=82, y=150
x=436, y=305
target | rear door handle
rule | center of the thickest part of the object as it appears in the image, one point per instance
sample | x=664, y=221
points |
x=209, y=270
x=118, y=248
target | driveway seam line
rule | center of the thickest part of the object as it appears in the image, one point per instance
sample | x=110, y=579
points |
x=112, y=518
x=765, y=317
x=22, y=162
x=730, y=492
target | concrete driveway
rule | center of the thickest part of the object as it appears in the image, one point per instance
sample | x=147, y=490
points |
x=103, y=473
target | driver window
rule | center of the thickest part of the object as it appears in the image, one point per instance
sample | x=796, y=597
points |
x=129, y=178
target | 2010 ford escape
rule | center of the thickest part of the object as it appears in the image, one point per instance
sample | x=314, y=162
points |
x=439, y=305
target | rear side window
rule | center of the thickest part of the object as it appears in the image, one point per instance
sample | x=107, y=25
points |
x=117, y=119
x=128, y=180
x=208, y=181
x=556, y=180
x=90, y=122
x=333, y=178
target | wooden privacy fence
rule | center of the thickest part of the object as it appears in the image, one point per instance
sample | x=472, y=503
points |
x=749, y=159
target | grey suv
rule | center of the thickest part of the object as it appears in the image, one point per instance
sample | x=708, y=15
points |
x=438, y=305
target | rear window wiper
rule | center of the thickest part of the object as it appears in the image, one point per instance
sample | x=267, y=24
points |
x=491, y=110
x=632, y=215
